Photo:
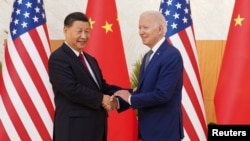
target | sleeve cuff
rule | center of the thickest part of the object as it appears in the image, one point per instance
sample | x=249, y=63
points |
x=129, y=100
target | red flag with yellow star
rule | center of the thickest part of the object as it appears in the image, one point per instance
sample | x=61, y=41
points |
x=232, y=97
x=105, y=44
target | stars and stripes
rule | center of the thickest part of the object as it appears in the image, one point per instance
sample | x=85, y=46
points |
x=180, y=34
x=26, y=16
x=26, y=97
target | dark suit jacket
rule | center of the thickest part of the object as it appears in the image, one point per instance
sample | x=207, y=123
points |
x=79, y=115
x=158, y=96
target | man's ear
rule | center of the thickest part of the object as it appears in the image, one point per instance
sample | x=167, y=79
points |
x=65, y=29
x=161, y=29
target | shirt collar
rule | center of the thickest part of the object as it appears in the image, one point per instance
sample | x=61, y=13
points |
x=158, y=44
x=76, y=52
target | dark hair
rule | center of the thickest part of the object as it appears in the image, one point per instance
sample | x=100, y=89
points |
x=75, y=16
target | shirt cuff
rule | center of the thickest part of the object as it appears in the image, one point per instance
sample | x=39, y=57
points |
x=118, y=103
x=129, y=100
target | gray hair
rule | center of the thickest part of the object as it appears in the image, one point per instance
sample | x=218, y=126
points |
x=159, y=18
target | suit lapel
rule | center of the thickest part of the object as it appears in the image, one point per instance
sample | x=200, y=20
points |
x=95, y=70
x=72, y=55
x=79, y=63
x=151, y=64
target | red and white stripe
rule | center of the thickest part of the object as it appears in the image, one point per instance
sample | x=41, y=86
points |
x=192, y=101
x=26, y=96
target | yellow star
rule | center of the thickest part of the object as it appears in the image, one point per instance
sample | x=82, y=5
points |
x=107, y=27
x=238, y=20
x=91, y=23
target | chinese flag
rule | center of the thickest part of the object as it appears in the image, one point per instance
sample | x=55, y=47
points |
x=232, y=97
x=106, y=46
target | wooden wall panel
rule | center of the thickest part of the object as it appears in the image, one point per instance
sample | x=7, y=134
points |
x=55, y=44
x=210, y=53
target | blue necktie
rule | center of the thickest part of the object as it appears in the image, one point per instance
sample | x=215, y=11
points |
x=147, y=58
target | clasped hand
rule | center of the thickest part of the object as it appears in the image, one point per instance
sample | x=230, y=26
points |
x=109, y=103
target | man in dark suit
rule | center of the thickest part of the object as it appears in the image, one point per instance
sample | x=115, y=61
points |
x=82, y=96
x=159, y=91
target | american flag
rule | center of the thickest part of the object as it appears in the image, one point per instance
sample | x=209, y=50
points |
x=26, y=97
x=180, y=34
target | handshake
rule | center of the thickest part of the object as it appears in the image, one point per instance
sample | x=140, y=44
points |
x=110, y=103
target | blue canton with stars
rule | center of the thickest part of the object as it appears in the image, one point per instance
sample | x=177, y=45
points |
x=26, y=15
x=177, y=14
